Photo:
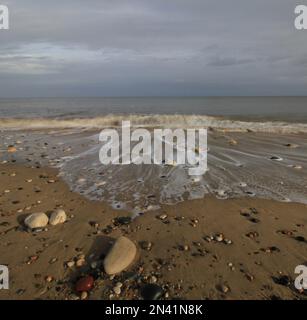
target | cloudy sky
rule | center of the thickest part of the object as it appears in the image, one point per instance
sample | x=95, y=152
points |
x=152, y=47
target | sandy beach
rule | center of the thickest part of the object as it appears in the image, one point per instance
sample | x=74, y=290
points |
x=200, y=249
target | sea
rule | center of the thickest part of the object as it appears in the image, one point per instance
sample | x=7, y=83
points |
x=257, y=146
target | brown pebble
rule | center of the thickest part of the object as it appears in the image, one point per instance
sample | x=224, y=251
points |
x=85, y=284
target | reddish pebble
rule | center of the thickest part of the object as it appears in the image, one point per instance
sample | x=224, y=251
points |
x=85, y=284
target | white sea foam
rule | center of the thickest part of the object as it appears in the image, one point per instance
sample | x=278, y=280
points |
x=154, y=120
x=244, y=169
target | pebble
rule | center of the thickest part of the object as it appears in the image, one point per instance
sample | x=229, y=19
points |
x=282, y=280
x=49, y=279
x=58, y=217
x=227, y=241
x=11, y=149
x=85, y=284
x=254, y=220
x=298, y=167
x=286, y=232
x=70, y=264
x=252, y=234
x=151, y=292
x=80, y=262
x=300, y=239
x=221, y=193
x=32, y=259
x=249, y=277
x=162, y=216
x=36, y=220
x=117, y=290
x=53, y=260
x=219, y=237
x=290, y=145
x=146, y=245
x=84, y=295
x=123, y=220
x=276, y=158
x=233, y=142
x=120, y=256
x=225, y=289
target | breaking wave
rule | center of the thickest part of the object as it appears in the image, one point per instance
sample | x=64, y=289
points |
x=154, y=120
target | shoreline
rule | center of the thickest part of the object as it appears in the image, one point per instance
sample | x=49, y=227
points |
x=183, y=260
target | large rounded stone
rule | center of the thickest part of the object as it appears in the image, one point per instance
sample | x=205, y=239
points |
x=57, y=217
x=36, y=220
x=120, y=256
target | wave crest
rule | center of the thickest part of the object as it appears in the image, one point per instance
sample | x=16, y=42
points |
x=154, y=120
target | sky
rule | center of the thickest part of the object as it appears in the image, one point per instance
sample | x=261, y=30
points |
x=67, y=48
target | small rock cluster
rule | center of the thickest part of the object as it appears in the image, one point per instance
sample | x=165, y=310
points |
x=219, y=237
x=41, y=220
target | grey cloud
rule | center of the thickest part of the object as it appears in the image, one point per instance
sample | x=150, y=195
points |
x=228, y=61
x=140, y=47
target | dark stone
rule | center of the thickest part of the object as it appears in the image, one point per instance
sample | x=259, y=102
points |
x=245, y=214
x=275, y=249
x=122, y=220
x=151, y=292
x=96, y=274
x=300, y=239
x=20, y=291
x=282, y=280
x=254, y=220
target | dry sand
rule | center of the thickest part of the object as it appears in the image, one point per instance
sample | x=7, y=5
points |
x=267, y=242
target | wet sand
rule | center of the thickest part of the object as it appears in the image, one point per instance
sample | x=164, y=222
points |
x=179, y=247
x=241, y=164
